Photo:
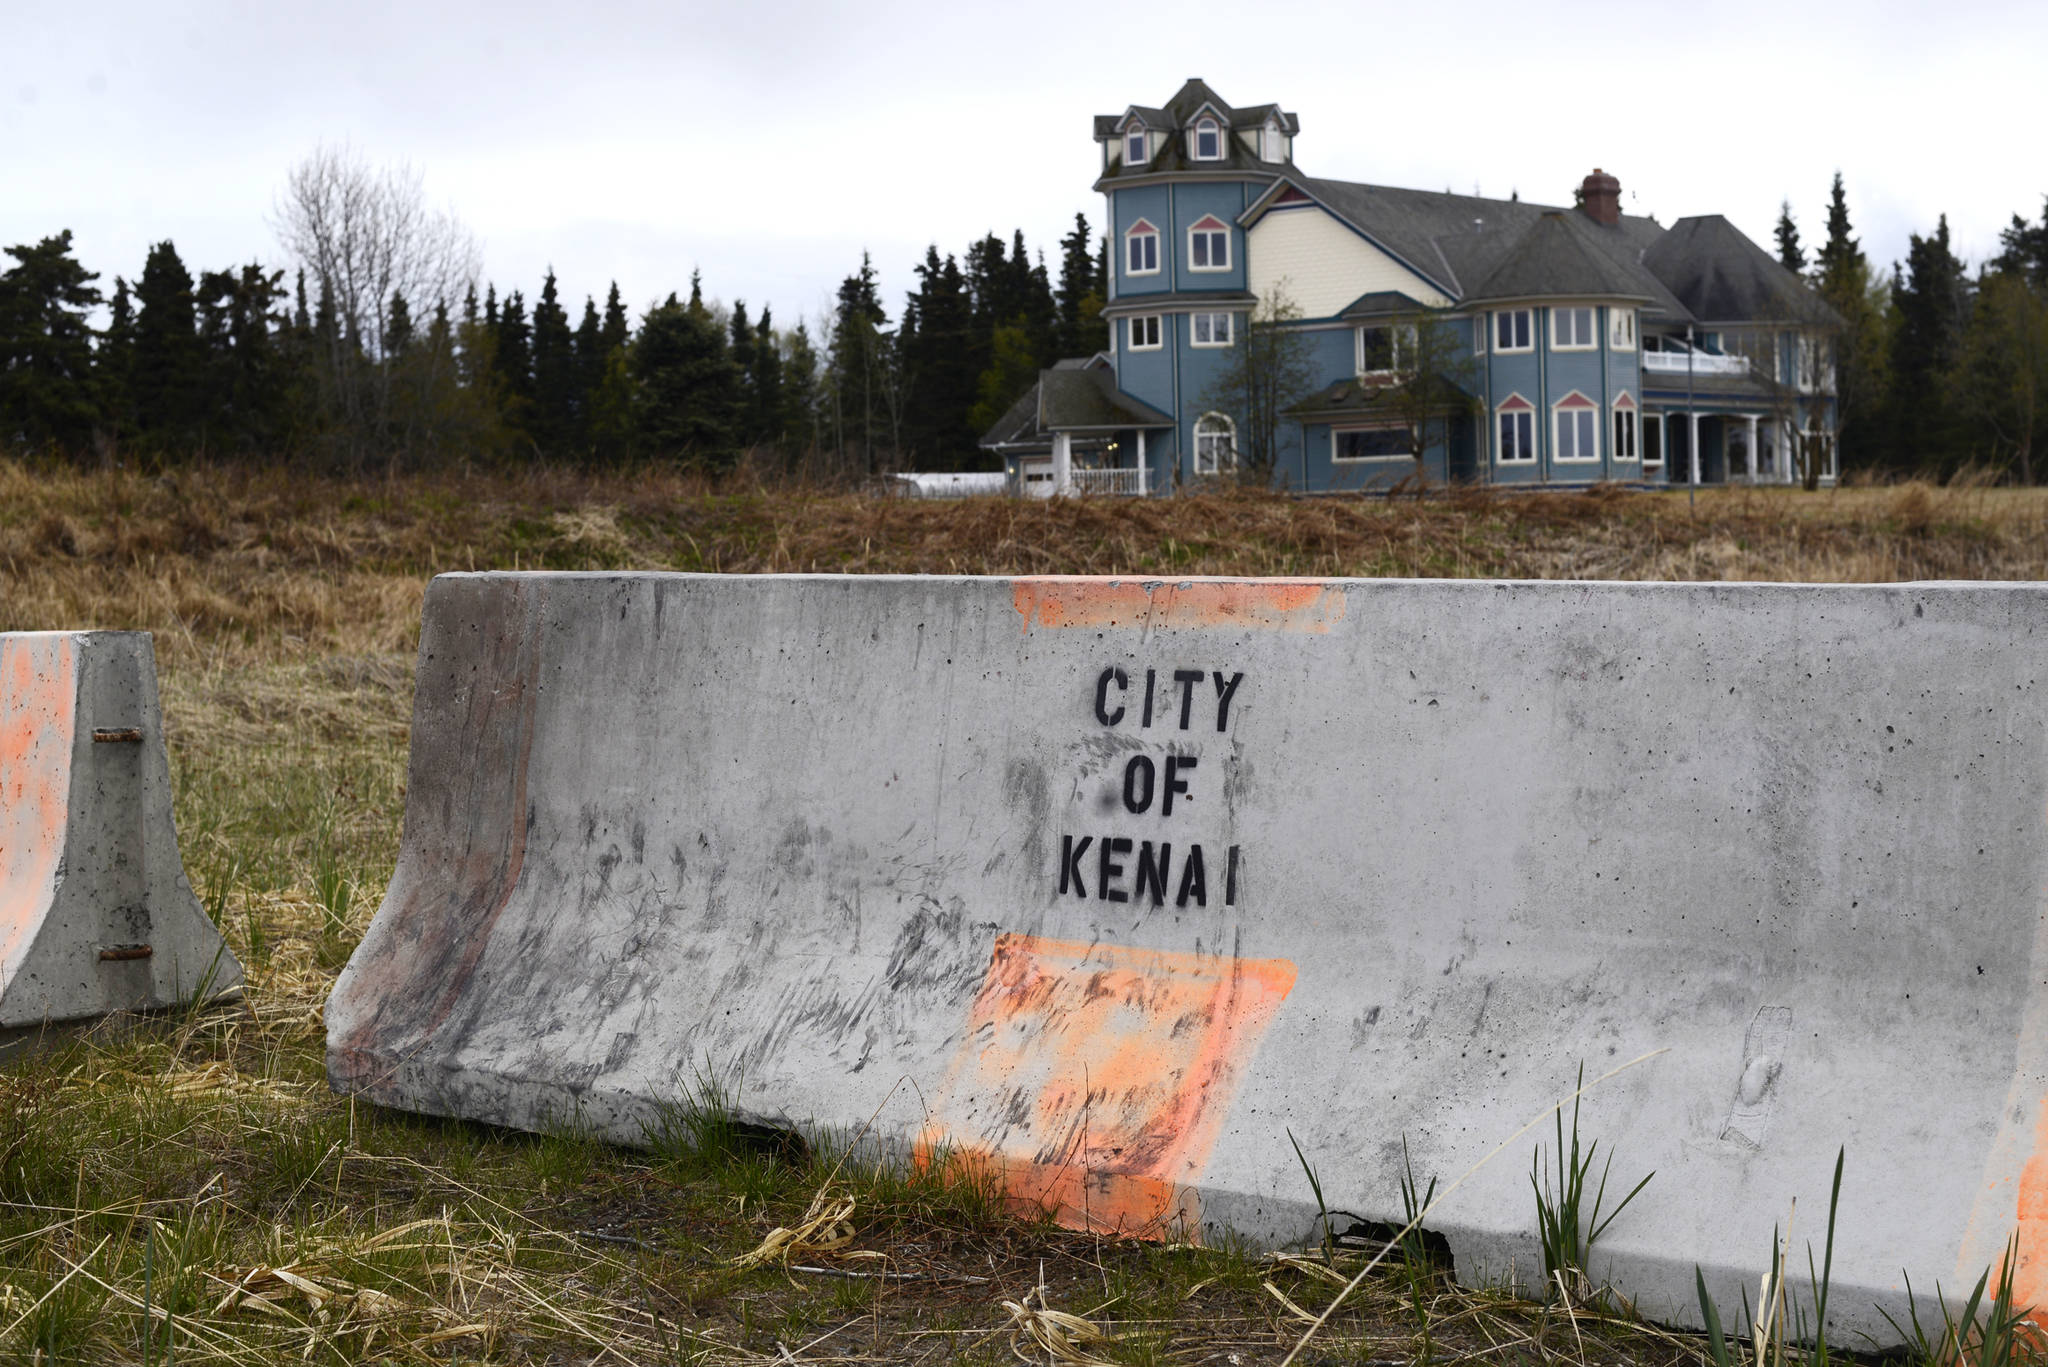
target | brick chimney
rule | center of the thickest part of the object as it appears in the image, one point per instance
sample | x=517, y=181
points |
x=1600, y=197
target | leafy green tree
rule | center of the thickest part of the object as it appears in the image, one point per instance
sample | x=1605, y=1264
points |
x=2002, y=377
x=169, y=378
x=1012, y=369
x=689, y=392
x=48, y=392
x=554, y=374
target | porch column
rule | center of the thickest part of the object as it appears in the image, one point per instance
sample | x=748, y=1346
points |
x=1062, y=464
x=1692, y=442
x=1751, y=420
x=1144, y=468
x=1788, y=438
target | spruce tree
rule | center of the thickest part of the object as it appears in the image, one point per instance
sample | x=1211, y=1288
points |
x=554, y=374
x=800, y=417
x=515, y=351
x=741, y=349
x=1790, y=254
x=688, y=387
x=398, y=329
x=241, y=317
x=169, y=380
x=938, y=358
x=1842, y=276
x=859, y=370
x=616, y=332
x=48, y=392
x=1931, y=300
x=2023, y=250
x=1081, y=331
x=116, y=363
x=764, y=388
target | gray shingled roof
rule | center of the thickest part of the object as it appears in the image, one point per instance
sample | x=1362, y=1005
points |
x=1723, y=277
x=1080, y=399
x=1178, y=299
x=1553, y=256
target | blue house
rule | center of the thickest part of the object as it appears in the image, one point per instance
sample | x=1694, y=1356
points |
x=1355, y=337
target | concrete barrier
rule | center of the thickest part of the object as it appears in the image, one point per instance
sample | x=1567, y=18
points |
x=1114, y=885
x=96, y=914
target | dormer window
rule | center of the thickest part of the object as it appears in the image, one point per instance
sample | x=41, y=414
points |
x=1272, y=143
x=1135, y=150
x=1141, y=249
x=1209, y=245
x=1208, y=140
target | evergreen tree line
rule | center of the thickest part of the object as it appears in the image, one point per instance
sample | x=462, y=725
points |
x=242, y=363
x=1937, y=369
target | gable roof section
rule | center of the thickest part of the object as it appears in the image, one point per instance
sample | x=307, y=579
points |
x=1723, y=277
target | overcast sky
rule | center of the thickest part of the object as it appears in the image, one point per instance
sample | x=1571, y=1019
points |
x=768, y=144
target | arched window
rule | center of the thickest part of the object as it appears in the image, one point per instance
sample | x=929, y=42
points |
x=1625, y=428
x=1215, y=445
x=1208, y=140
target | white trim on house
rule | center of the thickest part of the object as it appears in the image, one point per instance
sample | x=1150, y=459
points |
x=1272, y=141
x=1139, y=139
x=1621, y=328
x=1218, y=326
x=1142, y=229
x=1146, y=326
x=1626, y=435
x=1217, y=233
x=1515, y=428
x=1398, y=429
x=1211, y=124
x=1583, y=332
x=1652, y=462
x=1219, y=428
x=1569, y=446
x=1504, y=325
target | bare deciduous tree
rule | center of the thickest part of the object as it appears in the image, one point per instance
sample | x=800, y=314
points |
x=365, y=235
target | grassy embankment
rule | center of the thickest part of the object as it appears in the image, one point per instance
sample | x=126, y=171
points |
x=176, y=1161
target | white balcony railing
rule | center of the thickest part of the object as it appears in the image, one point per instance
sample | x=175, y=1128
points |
x=1699, y=362
x=1127, y=482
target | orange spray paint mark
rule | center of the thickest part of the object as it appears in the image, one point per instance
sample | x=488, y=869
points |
x=2030, y=1267
x=1311, y=605
x=38, y=699
x=1095, y=1079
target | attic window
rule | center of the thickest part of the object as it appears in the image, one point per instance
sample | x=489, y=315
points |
x=1208, y=140
x=1272, y=143
x=1135, y=151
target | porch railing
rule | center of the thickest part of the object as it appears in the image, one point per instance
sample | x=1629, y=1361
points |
x=1129, y=482
x=1677, y=362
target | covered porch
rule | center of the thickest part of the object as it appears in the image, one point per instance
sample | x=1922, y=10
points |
x=1075, y=433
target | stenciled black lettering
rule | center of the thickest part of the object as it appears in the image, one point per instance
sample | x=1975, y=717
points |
x=1110, y=875
x=1224, y=693
x=1187, y=679
x=1070, y=865
x=1140, y=767
x=1230, y=880
x=1176, y=765
x=1147, y=721
x=1114, y=675
x=1153, y=872
x=1192, y=882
